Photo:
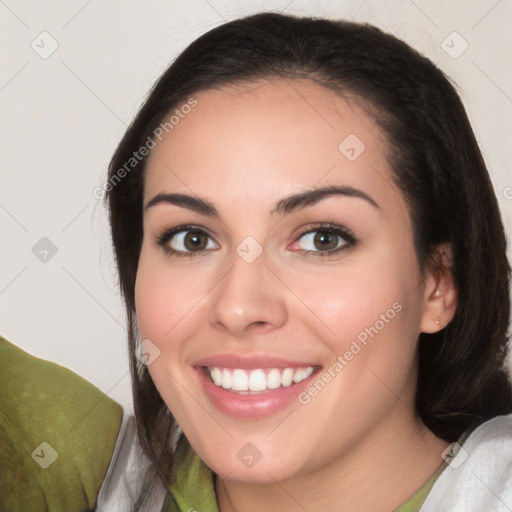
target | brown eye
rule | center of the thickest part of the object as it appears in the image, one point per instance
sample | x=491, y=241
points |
x=325, y=241
x=184, y=241
x=195, y=240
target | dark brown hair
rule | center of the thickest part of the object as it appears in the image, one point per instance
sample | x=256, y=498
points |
x=436, y=163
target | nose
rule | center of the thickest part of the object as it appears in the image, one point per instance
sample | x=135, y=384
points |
x=248, y=299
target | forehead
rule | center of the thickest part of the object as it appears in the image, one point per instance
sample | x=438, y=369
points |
x=267, y=138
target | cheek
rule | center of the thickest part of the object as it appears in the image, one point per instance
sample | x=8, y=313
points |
x=167, y=301
x=153, y=301
x=359, y=301
x=370, y=325
x=164, y=298
x=368, y=316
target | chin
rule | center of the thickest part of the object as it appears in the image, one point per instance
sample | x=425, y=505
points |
x=249, y=464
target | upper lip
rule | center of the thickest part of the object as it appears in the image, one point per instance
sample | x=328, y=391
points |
x=245, y=361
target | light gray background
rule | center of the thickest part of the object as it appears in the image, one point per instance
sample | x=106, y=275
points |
x=62, y=116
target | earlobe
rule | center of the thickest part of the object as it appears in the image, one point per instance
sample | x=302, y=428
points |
x=440, y=299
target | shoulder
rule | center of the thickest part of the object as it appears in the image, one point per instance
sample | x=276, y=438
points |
x=479, y=475
x=57, y=434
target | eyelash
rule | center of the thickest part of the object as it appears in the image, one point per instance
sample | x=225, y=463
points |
x=332, y=229
x=162, y=240
x=350, y=240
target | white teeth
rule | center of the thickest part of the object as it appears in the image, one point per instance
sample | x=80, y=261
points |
x=274, y=379
x=287, y=377
x=240, y=381
x=217, y=376
x=227, y=382
x=301, y=374
x=258, y=379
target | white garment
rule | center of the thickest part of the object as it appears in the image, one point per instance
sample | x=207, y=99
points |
x=479, y=477
x=123, y=481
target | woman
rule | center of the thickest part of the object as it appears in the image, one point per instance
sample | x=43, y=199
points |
x=313, y=266
x=298, y=137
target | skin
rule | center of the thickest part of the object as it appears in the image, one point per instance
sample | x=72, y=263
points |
x=357, y=445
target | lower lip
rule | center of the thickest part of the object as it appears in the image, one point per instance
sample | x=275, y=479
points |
x=250, y=407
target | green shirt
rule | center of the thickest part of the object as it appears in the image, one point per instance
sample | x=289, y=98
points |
x=57, y=435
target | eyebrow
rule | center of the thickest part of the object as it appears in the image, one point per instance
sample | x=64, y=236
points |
x=195, y=204
x=315, y=195
x=283, y=207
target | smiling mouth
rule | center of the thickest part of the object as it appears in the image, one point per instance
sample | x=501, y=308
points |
x=257, y=380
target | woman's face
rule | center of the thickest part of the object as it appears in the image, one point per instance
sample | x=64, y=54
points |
x=294, y=261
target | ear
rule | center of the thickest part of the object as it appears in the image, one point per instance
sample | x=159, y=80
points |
x=440, y=299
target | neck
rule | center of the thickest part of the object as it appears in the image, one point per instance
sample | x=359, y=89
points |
x=381, y=472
